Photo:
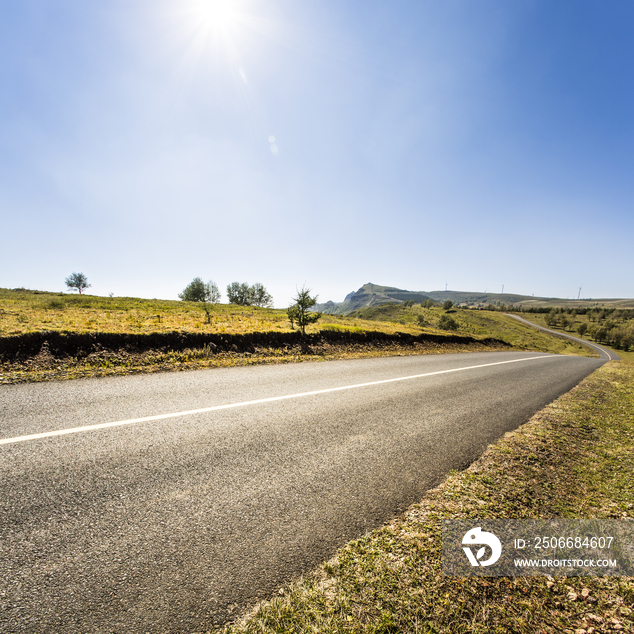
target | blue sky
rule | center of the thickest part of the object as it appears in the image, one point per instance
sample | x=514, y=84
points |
x=321, y=142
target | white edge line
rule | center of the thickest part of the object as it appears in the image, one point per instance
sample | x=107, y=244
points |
x=215, y=408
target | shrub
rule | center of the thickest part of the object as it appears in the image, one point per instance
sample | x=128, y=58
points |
x=446, y=322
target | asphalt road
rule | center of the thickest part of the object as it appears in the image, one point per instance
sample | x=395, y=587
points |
x=604, y=353
x=175, y=523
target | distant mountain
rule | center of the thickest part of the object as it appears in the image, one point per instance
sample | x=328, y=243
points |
x=374, y=295
x=370, y=295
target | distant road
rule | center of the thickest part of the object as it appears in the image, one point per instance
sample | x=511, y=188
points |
x=604, y=353
x=209, y=489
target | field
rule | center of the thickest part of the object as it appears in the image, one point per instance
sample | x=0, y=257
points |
x=124, y=335
x=33, y=311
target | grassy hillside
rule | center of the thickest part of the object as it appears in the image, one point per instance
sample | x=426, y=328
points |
x=472, y=322
x=49, y=336
x=607, y=327
x=24, y=311
x=102, y=336
x=34, y=311
x=525, y=301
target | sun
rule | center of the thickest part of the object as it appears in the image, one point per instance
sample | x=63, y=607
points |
x=217, y=14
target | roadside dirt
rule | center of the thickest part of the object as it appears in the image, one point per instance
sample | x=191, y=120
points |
x=53, y=355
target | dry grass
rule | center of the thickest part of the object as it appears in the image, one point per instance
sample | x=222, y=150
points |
x=32, y=311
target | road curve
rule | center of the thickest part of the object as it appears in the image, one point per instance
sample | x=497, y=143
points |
x=604, y=353
x=214, y=487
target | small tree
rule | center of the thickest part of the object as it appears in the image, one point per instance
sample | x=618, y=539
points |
x=552, y=319
x=582, y=328
x=293, y=314
x=300, y=310
x=260, y=296
x=77, y=282
x=213, y=292
x=447, y=305
x=239, y=294
x=198, y=291
x=194, y=291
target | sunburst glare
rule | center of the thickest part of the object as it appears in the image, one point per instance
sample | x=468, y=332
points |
x=217, y=14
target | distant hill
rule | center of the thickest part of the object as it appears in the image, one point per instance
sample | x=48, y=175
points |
x=370, y=295
x=375, y=295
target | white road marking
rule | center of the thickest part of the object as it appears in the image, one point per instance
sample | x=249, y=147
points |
x=215, y=408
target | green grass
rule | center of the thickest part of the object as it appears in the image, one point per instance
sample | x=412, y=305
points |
x=477, y=323
x=574, y=459
x=540, y=319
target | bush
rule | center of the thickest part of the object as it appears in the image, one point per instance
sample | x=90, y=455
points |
x=446, y=322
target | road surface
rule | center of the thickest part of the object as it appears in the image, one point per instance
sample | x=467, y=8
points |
x=207, y=490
